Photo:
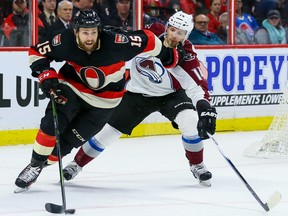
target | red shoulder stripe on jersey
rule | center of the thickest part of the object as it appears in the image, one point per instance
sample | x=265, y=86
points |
x=32, y=51
x=151, y=45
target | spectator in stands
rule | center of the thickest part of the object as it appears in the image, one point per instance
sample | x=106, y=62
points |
x=15, y=26
x=203, y=7
x=104, y=9
x=6, y=8
x=64, y=16
x=1, y=15
x=249, y=6
x=200, y=34
x=48, y=17
x=223, y=28
x=223, y=6
x=81, y=5
x=282, y=7
x=262, y=8
x=159, y=10
x=122, y=17
x=152, y=7
x=272, y=31
x=188, y=6
x=246, y=25
x=213, y=15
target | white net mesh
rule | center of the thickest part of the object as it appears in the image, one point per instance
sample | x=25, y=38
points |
x=275, y=142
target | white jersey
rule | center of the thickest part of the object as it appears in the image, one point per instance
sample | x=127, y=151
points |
x=149, y=77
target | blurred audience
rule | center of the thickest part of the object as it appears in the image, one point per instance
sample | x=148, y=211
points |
x=160, y=10
x=261, y=8
x=15, y=25
x=188, y=6
x=250, y=15
x=48, y=17
x=122, y=17
x=246, y=25
x=64, y=16
x=223, y=6
x=80, y=5
x=200, y=34
x=223, y=28
x=104, y=9
x=272, y=31
x=213, y=15
x=282, y=7
x=249, y=6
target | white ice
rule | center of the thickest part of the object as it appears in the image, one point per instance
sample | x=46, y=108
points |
x=150, y=176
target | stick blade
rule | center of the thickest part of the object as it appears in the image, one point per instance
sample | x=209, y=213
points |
x=274, y=200
x=58, y=209
x=53, y=208
x=70, y=211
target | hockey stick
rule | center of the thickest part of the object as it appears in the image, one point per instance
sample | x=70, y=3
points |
x=50, y=207
x=272, y=201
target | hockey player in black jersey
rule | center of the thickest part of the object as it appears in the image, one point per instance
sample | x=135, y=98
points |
x=152, y=88
x=88, y=86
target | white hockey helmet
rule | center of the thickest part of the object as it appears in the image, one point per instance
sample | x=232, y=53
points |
x=182, y=21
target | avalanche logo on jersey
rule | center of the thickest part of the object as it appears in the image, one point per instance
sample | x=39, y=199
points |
x=189, y=57
x=56, y=40
x=120, y=38
x=149, y=68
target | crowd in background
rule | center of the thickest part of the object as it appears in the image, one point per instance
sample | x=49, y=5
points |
x=257, y=21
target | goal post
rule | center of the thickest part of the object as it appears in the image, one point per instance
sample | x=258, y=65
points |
x=274, y=144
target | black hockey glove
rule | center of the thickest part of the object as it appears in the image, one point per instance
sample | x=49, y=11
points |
x=49, y=84
x=206, y=122
x=171, y=57
x=181, y=53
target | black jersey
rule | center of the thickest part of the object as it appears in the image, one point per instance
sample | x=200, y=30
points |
x=99, y=77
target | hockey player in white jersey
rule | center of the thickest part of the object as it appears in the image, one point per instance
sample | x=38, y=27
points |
x=180, y=94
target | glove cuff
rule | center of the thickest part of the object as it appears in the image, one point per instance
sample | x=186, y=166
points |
x=202, y=105
x=47, y=74
x=174, y=61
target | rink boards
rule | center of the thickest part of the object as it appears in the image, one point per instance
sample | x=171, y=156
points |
x=246, y=86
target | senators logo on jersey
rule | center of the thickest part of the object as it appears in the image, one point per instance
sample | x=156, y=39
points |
x=56, y=40
x=120, y=38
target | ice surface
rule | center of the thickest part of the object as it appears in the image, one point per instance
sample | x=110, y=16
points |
x=150, y=176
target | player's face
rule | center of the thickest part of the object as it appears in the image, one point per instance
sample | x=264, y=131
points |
x=87, y=38
x=174, y=36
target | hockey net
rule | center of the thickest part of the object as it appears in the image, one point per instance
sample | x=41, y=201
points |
x=274, y=144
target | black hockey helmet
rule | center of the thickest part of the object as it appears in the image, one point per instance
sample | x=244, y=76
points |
x=86, y=19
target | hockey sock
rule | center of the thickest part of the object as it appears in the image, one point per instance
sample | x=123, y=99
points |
x=52, y=159
x=88, y=152
x=194, y=149
x=194, y=157
x=43, y=146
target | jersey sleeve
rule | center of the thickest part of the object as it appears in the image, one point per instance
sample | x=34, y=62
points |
x=39, y=59
x=143, y=41
x=191, y=77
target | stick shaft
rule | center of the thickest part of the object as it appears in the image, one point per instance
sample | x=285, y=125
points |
x=56, y=127
x=264, y=205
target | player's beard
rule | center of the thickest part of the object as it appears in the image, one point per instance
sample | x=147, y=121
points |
x=84, y=47
x=170, y=43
